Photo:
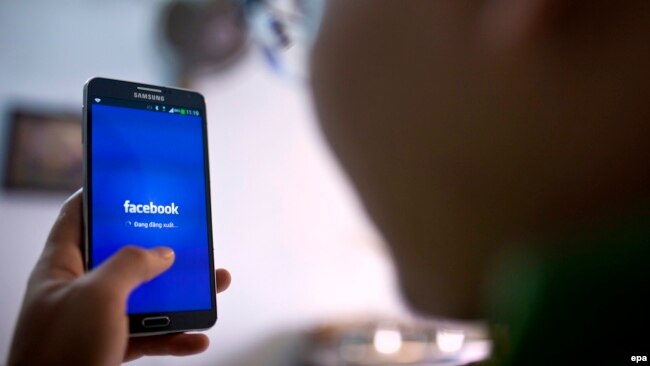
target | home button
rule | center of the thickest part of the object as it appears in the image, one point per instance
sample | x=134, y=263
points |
x=155, y=322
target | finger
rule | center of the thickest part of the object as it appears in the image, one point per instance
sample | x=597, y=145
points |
x=223, y=279
x=62, y=253
x=132, y=266
x=174, y=344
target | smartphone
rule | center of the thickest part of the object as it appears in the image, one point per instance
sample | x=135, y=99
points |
x=146, y=183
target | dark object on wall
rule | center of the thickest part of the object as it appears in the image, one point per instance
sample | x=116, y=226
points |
x=44, y=151
x=205, y=35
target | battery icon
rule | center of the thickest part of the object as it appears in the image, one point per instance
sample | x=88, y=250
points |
x=182, y=111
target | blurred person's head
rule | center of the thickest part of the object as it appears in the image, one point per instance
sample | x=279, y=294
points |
x=467, y=125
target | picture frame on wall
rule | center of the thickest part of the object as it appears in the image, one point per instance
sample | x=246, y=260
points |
x=43, y=150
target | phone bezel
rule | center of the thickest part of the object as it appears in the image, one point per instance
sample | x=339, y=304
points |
x=180, y=321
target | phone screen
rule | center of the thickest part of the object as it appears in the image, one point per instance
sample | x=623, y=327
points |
x=148, y=188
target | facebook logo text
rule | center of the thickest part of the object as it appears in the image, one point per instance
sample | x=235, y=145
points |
x=150, y=208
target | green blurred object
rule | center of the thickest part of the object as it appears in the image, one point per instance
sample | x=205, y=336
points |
x=588, y=306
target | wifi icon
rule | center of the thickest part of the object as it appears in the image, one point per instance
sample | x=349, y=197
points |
x=97, y=100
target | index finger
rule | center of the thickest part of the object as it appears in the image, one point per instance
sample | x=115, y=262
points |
x=61, y=257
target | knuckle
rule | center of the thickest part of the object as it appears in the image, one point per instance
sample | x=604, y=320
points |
x=134, y=253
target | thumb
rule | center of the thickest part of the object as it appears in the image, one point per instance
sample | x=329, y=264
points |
x=132, y=266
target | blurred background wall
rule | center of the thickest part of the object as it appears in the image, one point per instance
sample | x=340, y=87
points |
x=301, y=250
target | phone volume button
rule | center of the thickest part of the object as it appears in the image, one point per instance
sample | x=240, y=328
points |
x=83, y=125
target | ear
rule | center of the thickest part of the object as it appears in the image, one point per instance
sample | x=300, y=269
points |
x=509, y=23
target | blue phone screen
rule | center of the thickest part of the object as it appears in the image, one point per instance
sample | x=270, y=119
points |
x=149, y=189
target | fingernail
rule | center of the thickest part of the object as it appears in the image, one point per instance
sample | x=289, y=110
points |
x=164, y=252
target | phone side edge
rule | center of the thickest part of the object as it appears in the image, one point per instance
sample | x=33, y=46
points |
x=84, y=173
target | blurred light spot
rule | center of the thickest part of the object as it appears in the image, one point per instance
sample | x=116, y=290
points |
x=450, y=341
x=387, y=340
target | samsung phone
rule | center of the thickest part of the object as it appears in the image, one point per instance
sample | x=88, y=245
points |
x=146, y=183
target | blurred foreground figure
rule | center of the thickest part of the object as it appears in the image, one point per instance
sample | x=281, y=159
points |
x=501, y=146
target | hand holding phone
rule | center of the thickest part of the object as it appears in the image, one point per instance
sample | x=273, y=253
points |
x=72, y=318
